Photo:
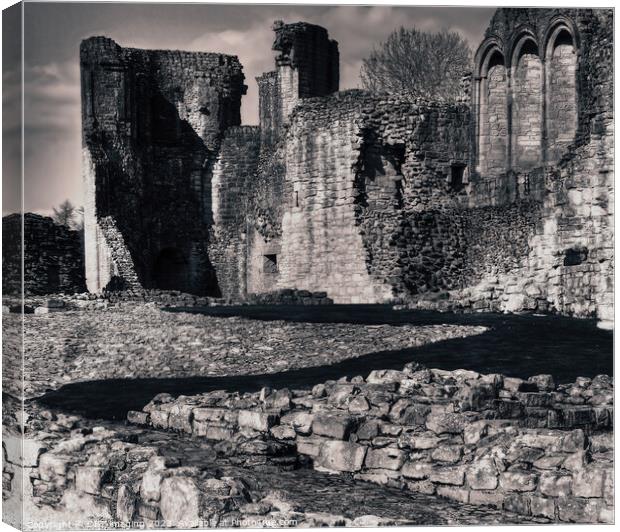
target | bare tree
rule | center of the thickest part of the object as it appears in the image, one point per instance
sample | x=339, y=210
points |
x=427, y=65
x=64, y=214
x=78, y=224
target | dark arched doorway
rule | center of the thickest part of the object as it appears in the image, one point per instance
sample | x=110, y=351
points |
x=171, y=271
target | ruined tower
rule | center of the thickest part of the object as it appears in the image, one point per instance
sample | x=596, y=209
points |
x=307, y=65
x=152, y=125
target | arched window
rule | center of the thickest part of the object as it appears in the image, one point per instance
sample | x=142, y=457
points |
x=492, y=113
x=527, y=111
x=561, y=92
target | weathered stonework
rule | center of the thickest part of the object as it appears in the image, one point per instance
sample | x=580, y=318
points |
x=500, y=202
x=52, y=256
x=524, y=446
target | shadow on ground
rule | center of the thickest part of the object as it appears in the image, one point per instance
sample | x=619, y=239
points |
x=518, y=346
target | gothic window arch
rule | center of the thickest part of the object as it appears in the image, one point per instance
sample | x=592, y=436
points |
x=492, y=115
x=561, y=111
x=527, y=104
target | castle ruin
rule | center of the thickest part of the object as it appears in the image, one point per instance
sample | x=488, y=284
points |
x=502, y=201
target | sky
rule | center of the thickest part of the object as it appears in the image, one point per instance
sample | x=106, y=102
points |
x=53, y=31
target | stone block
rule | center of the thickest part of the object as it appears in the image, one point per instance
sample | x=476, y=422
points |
x=589, y=482
x=517, y=503
x=518, y=480
x=453, y=475
x=454, y=493
x=427, y=440
x=608, y=488
x=421, y=486
x=212, y=431
x=259, y=421
x=576, y=461
x=550, y=441
x=544, y=382
x=417, y=470
x=482, y=475
x=449, y=454
x=577, y=510
x=138, y=418
x=333, y=426
x=30, y=452
x=549, y=462
x=300, y=421
x=574, y=441
x=283, y=432
x=159, y=419
x=140, y=454
x=449, y=423
x=386, y=458
x=125, y=504
x=309, y=446
x=358, y=405
x=340, y=456
x=487, y=498
x=220, y=415
x=476, y=396
x=542, y=507
x=555, y=484
x=90, y=479
x=385, y=477
x=475, y=431
x=52, y=466
x=180, y=418
x=180, y=502
x=368, y=430
x=382, y=376
x=152, y=478
x=606, y=514
x=406, y=412
x=514, y=385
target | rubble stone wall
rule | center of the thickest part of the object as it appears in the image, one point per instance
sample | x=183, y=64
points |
x=501, y=202
x=232, y=181
x=152, y=124
x=53, y=256
x=527, y=446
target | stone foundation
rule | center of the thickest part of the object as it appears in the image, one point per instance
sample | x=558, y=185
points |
x=52, y=254
x=527, y=446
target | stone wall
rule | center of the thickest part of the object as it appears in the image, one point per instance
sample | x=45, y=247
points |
x=528, y=446
x=233, y=174
x=53, y=256
x=501, y=202
x=152, y=124
x=566, y=265
x=355, y=187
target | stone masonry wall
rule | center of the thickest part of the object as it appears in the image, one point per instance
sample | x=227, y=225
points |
x=233, y=175
x=153, y=121
x=567, y=262
x=53, y=258
x=365, y=177
x=487, y=204
x=528, y=446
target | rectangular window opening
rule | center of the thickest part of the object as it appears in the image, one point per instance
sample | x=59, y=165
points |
x=457, y=173
x=270, y=264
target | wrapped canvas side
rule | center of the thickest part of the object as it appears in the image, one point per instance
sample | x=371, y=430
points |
x=13, y=461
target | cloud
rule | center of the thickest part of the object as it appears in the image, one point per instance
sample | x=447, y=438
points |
x=52, y=86
x=253, y=48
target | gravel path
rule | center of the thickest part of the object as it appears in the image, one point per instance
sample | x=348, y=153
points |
x=142, y=341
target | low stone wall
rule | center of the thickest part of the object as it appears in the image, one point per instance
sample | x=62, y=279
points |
x=81, y=472
x=290, y=296
x=529, y=447
x=53, y=259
